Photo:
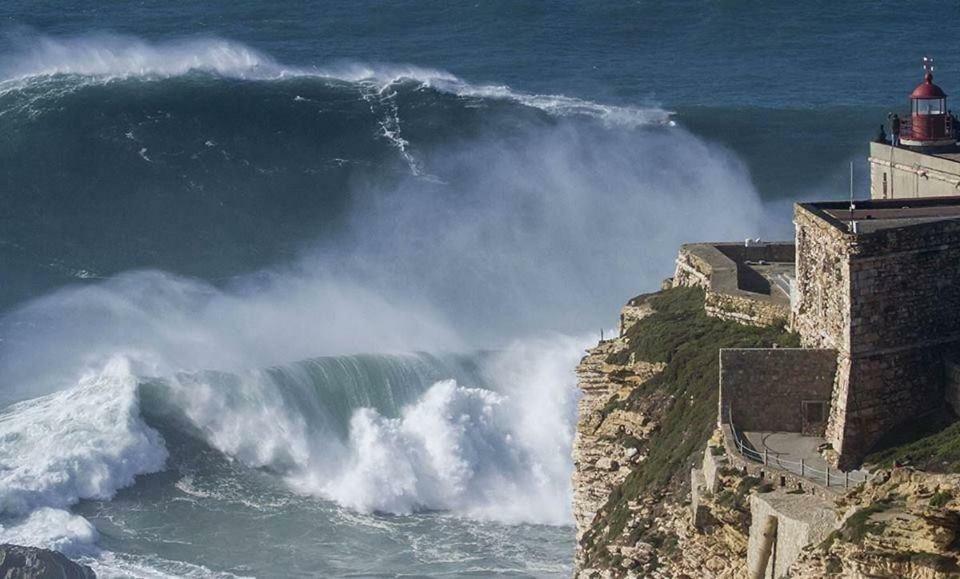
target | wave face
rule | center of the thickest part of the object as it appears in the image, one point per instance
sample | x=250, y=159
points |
x=237, y=257
x=485, y=436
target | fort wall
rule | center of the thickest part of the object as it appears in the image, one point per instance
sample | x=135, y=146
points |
x=821, y=304
x=734, y=292
x=889, y=302
x=765, y=389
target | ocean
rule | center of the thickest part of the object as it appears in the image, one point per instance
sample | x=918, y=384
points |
x=298, y=289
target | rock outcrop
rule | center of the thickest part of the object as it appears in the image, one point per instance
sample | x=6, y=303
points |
x=17, y=562
x=646, y=431
x=904, y=523
x=648, y=407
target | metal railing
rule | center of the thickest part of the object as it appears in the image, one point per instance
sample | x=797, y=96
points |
x=907, y=129
x=828, y=477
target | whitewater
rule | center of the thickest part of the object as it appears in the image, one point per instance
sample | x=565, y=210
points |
x=393, y=394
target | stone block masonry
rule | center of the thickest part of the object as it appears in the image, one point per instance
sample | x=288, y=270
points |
x=801, y=520
x=776, y=389
x=734, y=291
x=888, y=300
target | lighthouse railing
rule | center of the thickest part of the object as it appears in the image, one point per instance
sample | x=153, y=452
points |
x=929, y=132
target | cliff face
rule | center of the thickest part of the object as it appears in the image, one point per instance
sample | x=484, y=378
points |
x=648, y=409
x=904, y=523
x=647, y=418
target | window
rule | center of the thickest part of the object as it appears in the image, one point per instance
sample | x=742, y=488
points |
x=929, y=106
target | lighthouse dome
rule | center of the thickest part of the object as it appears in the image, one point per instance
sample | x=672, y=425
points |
x=928, y=90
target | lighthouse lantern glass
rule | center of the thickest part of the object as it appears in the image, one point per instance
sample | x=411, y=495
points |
x=929, y=106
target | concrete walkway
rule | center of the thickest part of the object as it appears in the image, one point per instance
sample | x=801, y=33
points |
x=798, y=454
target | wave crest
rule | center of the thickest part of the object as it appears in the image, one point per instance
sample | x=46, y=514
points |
x=100, y=58
x=111, y=57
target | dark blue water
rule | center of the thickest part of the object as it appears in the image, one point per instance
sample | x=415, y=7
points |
x=225, y=225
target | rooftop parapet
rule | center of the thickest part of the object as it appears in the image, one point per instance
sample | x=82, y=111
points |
x=875, y=215
x=749, y=283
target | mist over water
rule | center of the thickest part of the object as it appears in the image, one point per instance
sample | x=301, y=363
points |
x=368, y=284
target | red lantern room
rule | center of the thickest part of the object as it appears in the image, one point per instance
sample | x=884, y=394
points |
x=929, y=124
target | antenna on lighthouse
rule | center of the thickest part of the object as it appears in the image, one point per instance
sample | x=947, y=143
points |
x=928, y=64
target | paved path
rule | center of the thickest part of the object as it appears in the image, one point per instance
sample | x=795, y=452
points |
x=786, y=449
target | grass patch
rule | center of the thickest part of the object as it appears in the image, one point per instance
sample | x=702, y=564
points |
x=680, y=335
x=938, y=451
x=859, y=525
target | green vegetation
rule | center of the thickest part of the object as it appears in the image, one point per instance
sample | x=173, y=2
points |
x=859, y=525
x=737, y=499
x=681, y=335
x=940, y=499
x=934, y=452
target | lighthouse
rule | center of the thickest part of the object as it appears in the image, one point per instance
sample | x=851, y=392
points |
x=929, y=125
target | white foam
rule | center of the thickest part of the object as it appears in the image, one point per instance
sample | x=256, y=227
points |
x=108, y=565
x=488, y=455
x=83, y=442
x=55, y=529
x=111, y=56
x=103, y=57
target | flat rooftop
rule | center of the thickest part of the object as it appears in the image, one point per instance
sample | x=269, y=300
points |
x=876, y=214
x=953, y=155
x=760, y=268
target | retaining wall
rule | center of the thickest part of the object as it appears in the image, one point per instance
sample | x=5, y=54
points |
x=801, y=520
x=764, y=388
x=734, y=292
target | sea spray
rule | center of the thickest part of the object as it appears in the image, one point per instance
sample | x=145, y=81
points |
x=49, y=528
x=497, y=450
x=503, y=214
x=83, y=442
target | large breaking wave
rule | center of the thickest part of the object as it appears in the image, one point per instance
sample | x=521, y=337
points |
x=386, y=209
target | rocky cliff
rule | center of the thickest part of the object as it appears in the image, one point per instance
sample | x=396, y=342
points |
x=648, y=409
x=647, y=421
x=18, y=562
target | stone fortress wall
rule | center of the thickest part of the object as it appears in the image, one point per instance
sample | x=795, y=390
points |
x=735, y=291
x=764, y=389
x=888, y=300
x=884, y=297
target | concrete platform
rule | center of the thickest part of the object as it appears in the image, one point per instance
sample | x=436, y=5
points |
x=786, y=450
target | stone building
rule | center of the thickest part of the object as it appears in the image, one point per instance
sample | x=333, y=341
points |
x=879, y=285
x=873, y=290
x=902, y=173
x=923, y=159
